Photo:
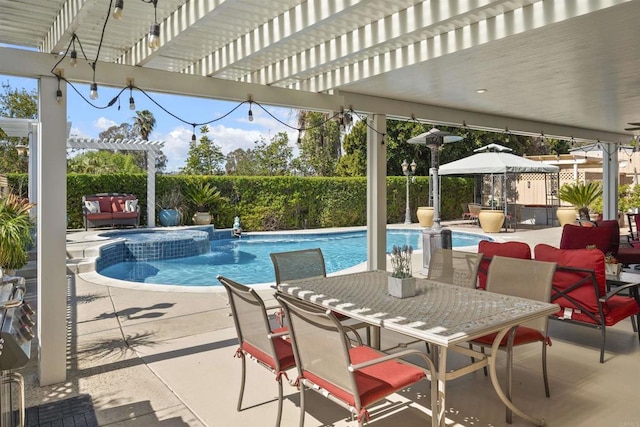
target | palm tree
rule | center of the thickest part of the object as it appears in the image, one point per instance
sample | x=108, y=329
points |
x=143, y=123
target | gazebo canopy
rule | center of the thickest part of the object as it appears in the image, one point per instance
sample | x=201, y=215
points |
x=495, y=163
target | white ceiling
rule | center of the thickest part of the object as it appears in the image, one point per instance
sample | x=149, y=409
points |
x=571, y=63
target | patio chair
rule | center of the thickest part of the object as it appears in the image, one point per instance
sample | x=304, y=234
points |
x=506, y=249
x=454, y=267
x=527, y=279
x=474, y=211
x=466, y=213
x=580, y=289
x=306, y=264
x=257, y=340
x=354, y=377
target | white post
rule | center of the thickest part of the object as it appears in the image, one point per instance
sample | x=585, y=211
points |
x=151, y=189
x=376, y=193
x=52, y=205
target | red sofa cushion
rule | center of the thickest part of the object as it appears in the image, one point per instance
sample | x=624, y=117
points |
x=507, y=249
x=590, y=259
x=577, y=237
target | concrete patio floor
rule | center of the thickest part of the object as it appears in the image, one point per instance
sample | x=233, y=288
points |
x=150, y=358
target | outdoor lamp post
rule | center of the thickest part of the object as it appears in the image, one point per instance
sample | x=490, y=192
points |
x=408, y=172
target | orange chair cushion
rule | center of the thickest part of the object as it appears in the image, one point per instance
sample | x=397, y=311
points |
x=507, y=249
x=284, y=352
x=374, y=382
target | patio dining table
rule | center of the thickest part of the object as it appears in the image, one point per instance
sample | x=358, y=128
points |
x=441, y=314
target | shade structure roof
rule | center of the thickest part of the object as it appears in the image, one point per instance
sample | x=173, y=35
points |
x=495, y=163
x=432, y=56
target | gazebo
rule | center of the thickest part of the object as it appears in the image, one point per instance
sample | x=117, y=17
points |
x=495, y=159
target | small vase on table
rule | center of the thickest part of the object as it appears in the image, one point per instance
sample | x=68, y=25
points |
x=400, y=282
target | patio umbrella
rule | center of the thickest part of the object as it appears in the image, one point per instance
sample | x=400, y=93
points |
x=433, y=139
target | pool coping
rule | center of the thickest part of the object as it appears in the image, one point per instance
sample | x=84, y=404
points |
x=88, y=244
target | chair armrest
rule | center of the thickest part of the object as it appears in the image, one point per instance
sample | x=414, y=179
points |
x=278, y=335
x=633, y=287
x=430, y=365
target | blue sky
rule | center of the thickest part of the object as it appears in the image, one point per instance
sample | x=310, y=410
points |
x=232, y=132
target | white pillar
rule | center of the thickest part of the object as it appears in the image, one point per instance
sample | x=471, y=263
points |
x=376, y=193
x=610, y=180
x=52, y=208
x=151, y=189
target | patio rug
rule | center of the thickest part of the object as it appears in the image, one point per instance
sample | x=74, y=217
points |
x=76, y=411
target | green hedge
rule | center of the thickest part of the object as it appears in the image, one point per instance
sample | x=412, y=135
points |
x=273, y=203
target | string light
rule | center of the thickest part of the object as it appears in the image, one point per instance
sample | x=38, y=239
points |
x=132, y=103
x=93, y=94
x=250, y=112
x=154, y=31
x=118, y=10
x=193, y=135
x=507, y=134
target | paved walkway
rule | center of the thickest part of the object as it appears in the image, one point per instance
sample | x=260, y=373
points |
x=166, y=359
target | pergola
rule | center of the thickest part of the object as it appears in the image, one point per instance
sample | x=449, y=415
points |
x=559, y=68
x=27, y=128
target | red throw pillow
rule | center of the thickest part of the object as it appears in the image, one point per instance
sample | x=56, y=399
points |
x=507, y=249
x=577, y=237
x=590, y=259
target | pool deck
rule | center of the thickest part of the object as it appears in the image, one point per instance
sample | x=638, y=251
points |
x=166, y=359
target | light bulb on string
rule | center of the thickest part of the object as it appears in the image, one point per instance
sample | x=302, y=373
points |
x=193, y=135
x=118, y=10
x=132, y=103
x=154, y=36
x=74, y=58
x=93, y=94
x=59, y=96
x=250, y=113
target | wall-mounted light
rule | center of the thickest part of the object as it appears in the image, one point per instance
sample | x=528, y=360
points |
x=23, y=150
x=528, y=184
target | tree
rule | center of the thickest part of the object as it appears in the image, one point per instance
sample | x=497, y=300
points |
x=241, y=162
x=103, y=162
x=15, y=103
x=121, y=131
x=354, y=160
x=205, y=157
x=143, y=125
x=274, y=158
x=320, y=146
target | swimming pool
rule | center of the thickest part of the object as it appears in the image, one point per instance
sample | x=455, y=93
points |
x=247, y=260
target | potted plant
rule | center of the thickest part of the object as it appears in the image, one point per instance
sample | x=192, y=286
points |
x=581, y=196
x=170, y=205
x=203, y=197
x=15, y=232
x=401, y=284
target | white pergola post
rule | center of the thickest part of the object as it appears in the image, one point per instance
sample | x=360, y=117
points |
x=52, y=206
x=376, y=193
x=151, y=189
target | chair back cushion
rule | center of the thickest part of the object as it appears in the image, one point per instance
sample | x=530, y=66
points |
x=614, y=227
x=582, y=293
x=577, y=237
x=507, y=249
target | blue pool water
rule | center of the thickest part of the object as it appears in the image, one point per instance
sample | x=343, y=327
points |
x=247, y=260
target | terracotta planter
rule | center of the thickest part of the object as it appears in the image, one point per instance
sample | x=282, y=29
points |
x=566, y=215
x=201, y=218
x=425, y=216
x=491, y=220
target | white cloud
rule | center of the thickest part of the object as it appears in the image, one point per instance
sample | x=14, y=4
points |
x=103, y=124
x=176, y=147
x=78, y=133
